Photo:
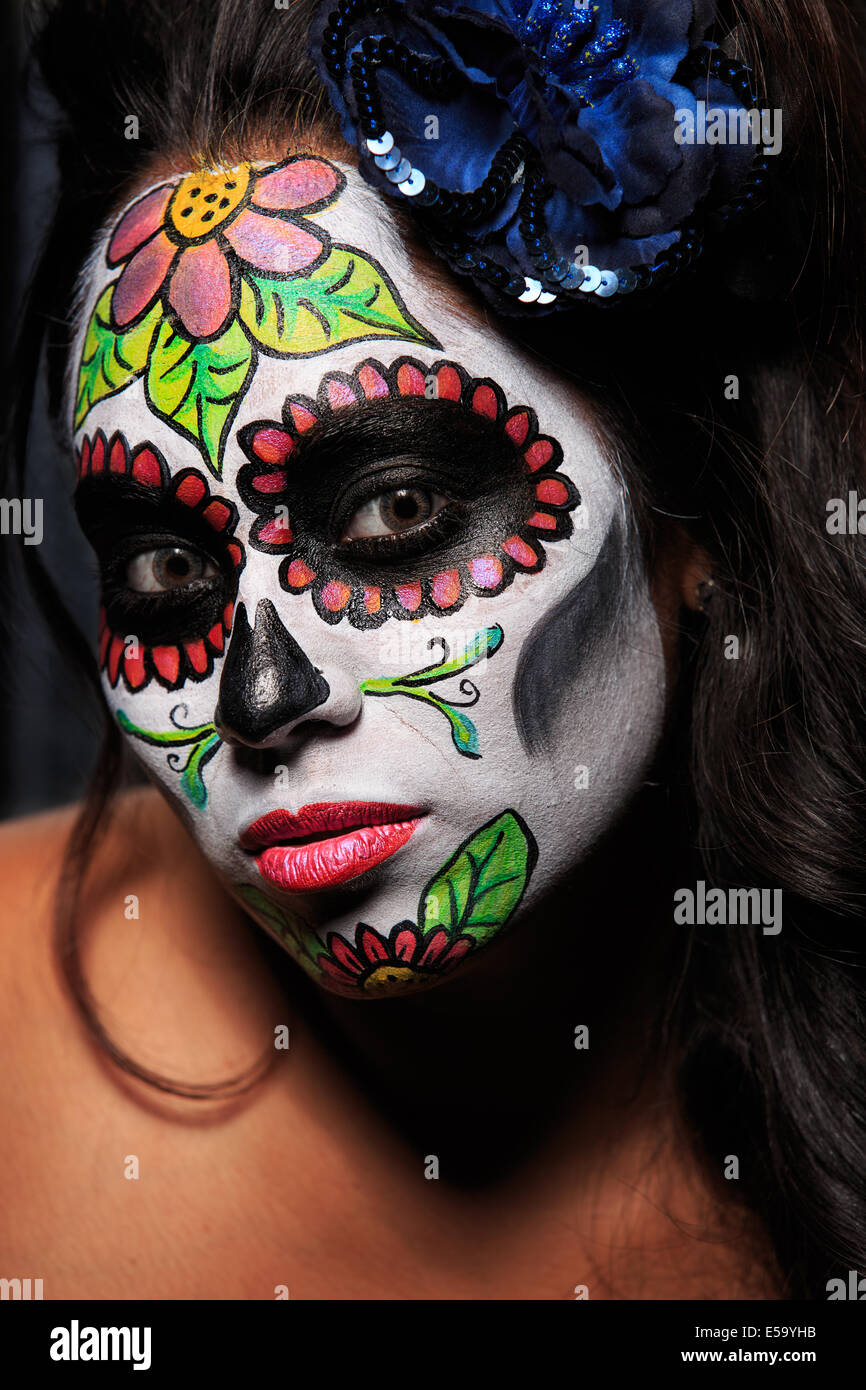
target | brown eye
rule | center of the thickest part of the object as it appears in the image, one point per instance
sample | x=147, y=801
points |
x=390, y=513
x=171, y=567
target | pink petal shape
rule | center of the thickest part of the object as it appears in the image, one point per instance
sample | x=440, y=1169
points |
x=445, y=588
x=138, y=224
x=296, y=185
x=484, y=401
x=539, y=453
x=268, y=243
x=201, y=292
x=486, y=571
x=340, y=394
x=373, y=384
x=517, y=426
x=272, y=445
x=449, y=386
x=142, y=279
x=410, y=380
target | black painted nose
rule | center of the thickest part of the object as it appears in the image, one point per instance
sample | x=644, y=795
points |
x=267, y=680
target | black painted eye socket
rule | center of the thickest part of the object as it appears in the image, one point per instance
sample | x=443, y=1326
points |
x=166, y=573
x=395, y=488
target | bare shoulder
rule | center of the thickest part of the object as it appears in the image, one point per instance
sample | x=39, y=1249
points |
x=33, y=855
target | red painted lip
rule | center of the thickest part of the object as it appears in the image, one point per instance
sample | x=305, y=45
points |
x=335, y=841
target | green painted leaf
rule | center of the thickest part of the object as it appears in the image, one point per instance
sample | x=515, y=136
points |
x=481, y=885
x=110, y=360
x=197, y=387
x=347, y=298
x=289, y=927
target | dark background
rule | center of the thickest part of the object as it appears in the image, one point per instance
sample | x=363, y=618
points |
x=48, y=729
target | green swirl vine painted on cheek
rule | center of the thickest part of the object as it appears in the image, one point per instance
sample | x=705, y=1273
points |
x=464, y=734
x=464, y=906
x=216, y=267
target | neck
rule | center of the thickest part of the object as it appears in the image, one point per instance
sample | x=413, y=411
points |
x=494, y=1052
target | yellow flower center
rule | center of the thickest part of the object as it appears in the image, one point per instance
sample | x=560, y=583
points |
x=204, y=201
x=387, y=977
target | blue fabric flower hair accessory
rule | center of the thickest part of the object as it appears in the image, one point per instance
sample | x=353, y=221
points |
x=536, y=140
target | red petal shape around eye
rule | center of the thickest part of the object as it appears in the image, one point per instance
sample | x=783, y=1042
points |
x=345, y=955
x=228, y=614
x=217, y=514
x=115, y=652
x=133, y=669
x=484, y=402
x=167, y=662
x=517, y=427
x=543, y=520
x=269, y=482
x=201, y=291
x=553, y=491
x=235, y=553
x=197, y=655
x=445, y=588
x=138, y=223
x=372, y=599
x=117, y=457
x=142, y=279
x=373, y=948
x=405, y=943
x=299, y=575
x=372, y=383
x=340, y=394
x=272, y=446
x=97, y=453
x=539, y=453
x=409, y=595
x=410, y=380
x=335, y=595
x=486, y=571
x=268, y=243
x=303, y=419
x=276, y=532
x=449, y=387
x=191, y=490
x=456, y=952
x=434, y=948
x=520, y=552
x=296, y=185
x=84, y=457
x=145, y=468
x=215, y=637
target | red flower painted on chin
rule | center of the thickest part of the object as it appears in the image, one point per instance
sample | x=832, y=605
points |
x=274, y=449
x=187, y=496
x=406, y=958
x=196, y=234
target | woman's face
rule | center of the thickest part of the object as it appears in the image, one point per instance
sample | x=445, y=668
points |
x=373, y=620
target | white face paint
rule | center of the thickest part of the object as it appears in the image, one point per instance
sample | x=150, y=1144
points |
x=406, y=492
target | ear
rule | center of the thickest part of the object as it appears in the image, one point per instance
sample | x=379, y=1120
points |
x=682, y=573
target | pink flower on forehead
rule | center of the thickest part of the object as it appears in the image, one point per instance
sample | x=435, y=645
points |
x=193, y=236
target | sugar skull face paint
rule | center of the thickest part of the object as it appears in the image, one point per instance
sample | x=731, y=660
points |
x=374, y=658
x=216, y=267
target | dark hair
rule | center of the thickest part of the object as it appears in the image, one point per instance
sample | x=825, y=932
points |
x=764, y=1035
